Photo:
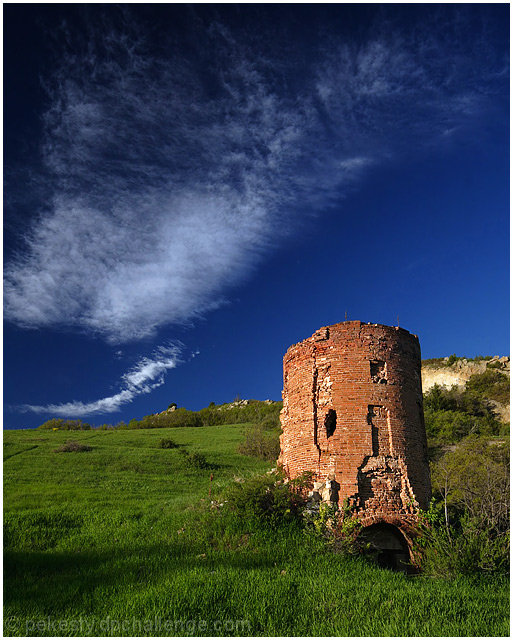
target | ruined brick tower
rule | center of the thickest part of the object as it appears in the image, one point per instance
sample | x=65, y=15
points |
x=353, y=415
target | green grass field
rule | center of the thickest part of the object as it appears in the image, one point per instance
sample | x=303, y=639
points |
x=118, y=541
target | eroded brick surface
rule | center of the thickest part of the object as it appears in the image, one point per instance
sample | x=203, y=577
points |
x=353, y=415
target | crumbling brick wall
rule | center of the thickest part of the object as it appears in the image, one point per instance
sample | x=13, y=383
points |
x=352, y=414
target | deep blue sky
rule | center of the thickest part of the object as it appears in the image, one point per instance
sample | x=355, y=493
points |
x=188, y=190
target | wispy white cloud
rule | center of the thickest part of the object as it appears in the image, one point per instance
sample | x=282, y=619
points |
x=355, y=165
x=144, y=377
x=172, y=175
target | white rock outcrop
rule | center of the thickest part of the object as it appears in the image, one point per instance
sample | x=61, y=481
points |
x=458, y=373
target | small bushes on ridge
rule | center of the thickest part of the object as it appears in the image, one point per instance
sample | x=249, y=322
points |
x=254, y=411
x=250, y=411
x=65, y=425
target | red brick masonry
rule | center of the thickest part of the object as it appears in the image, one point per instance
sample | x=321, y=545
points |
x=352, y=413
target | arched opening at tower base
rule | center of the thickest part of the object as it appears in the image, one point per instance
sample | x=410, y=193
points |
x=390, y=545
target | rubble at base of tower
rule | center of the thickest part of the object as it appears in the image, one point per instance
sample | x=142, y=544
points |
x=325, y=491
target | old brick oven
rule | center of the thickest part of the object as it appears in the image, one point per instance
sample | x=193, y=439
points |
x=353, y=415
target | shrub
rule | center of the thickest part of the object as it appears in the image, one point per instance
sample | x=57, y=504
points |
x=466, y=529
x=72, y=447
x=260, y=443
x=270, y=422
x=438, y=399
x=491, y=384
x=467, y=549
x=474, y=478
x=268, y=500
x=167, y=443
x=196, y=460
x=451, y=426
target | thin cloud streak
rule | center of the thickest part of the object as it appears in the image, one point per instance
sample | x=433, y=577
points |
x=144, y=377
x=169, y=188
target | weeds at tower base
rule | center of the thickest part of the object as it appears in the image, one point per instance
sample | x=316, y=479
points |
x=272, y=501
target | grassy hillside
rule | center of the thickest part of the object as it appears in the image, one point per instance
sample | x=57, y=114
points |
x=122, y=540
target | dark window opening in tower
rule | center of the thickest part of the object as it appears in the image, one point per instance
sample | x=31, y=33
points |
x=330, y=422
x=377, y=418
x=375, y=441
